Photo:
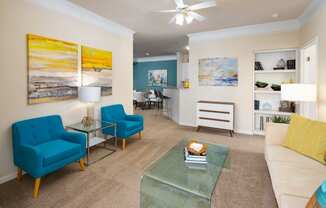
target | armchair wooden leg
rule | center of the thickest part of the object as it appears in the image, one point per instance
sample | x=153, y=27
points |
x=82, y=164
x=123, y=144
x=19, y=174
x=139, y=134
x=36, y=187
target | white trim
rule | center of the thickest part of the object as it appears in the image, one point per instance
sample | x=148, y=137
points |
x=7, y=178
x=309, y=11
x=68, y=8
x=314, y=41
x=187, y=124
x=246, y=132
x=276, y=50
x=156, y=58
x=267, y=28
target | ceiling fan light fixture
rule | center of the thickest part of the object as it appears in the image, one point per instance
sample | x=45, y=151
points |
x=179, y=19
x=189, y=19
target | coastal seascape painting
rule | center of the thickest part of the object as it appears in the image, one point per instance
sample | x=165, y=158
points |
x=158, y=77
x=218, y=72
x=52, y=70
x=97, y=69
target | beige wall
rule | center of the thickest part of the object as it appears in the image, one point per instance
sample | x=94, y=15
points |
x=316, y=27
x=17, y=18
x=242, y=48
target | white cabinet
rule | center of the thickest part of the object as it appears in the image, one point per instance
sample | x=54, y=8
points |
x=215, y=115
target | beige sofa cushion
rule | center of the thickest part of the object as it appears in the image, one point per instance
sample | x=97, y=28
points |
x=289, y=179
x=290, y=201
x=282, y=154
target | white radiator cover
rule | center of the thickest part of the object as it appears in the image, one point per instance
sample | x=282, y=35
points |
x=215, y=115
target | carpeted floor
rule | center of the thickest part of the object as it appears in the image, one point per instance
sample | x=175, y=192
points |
x=114, y=182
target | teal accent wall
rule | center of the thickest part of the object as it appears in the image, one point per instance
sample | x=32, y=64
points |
x=141, y=72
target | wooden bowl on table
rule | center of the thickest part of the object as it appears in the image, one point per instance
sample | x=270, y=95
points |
x=195, y=151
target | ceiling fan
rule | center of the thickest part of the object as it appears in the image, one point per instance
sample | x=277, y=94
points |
x=185, y=13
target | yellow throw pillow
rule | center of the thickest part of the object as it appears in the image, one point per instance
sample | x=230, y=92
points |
x=307, y=137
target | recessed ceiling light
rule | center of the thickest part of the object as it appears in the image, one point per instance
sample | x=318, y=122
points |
x=147, y=54
x=275, y=15
x=187, y=48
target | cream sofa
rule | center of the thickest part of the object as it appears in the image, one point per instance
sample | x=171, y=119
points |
x=294, y=177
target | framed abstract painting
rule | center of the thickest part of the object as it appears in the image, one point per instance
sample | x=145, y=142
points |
x=97, y=69
x=52, y=69
x=158, y=77
x=218, y=72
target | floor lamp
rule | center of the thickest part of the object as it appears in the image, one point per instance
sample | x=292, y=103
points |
x=299, y=93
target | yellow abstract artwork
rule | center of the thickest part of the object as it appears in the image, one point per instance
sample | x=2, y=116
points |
x=97, y=69
x=52, y=70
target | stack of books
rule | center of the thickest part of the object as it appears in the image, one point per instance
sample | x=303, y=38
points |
x=194, y=159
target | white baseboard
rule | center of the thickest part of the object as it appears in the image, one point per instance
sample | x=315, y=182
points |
x=186, y=124
x=241, y=131
x=7, y=178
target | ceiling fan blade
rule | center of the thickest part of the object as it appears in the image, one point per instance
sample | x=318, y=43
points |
x=168, y=11
x=197, y=16
x=180, y=3
x=173, y=19
x=202, y=5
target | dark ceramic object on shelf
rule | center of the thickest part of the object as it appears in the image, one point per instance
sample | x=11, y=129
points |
x=258, y=66
x=257, y=103
x=290, y=64
x=279, y=68
x=276, y=87
x=261, y=84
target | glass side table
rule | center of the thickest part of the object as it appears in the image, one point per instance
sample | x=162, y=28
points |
x=96, y=140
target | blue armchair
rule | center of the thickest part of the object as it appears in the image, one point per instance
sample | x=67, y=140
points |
x=127, y=125
x=41, y=146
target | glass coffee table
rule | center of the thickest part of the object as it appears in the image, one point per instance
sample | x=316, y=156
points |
x=170, y=182
x=96, y=140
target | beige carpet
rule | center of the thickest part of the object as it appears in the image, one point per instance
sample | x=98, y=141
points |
x=114, y=182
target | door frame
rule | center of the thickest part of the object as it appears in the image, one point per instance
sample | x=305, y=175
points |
x=314, y=41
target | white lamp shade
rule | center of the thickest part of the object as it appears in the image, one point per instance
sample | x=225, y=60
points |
x=90, y=94
x=299, y=92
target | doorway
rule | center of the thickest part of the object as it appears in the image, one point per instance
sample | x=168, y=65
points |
x=309, y=75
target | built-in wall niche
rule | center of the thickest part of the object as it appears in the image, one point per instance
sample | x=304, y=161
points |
x=184, y=70
x=272, y=68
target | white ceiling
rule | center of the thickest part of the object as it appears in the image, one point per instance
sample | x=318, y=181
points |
x=156, y=36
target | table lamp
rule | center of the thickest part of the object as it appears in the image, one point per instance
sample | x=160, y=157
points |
x=89, y=95
x=299, y=92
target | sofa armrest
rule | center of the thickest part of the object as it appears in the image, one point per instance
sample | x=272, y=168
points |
x=74, y=137
x=135, y=118
x=30, y=157
x=275, y=133
x=121, y=126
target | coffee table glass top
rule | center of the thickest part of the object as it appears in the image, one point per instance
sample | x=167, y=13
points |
x=198, y=179
x=96, y=125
